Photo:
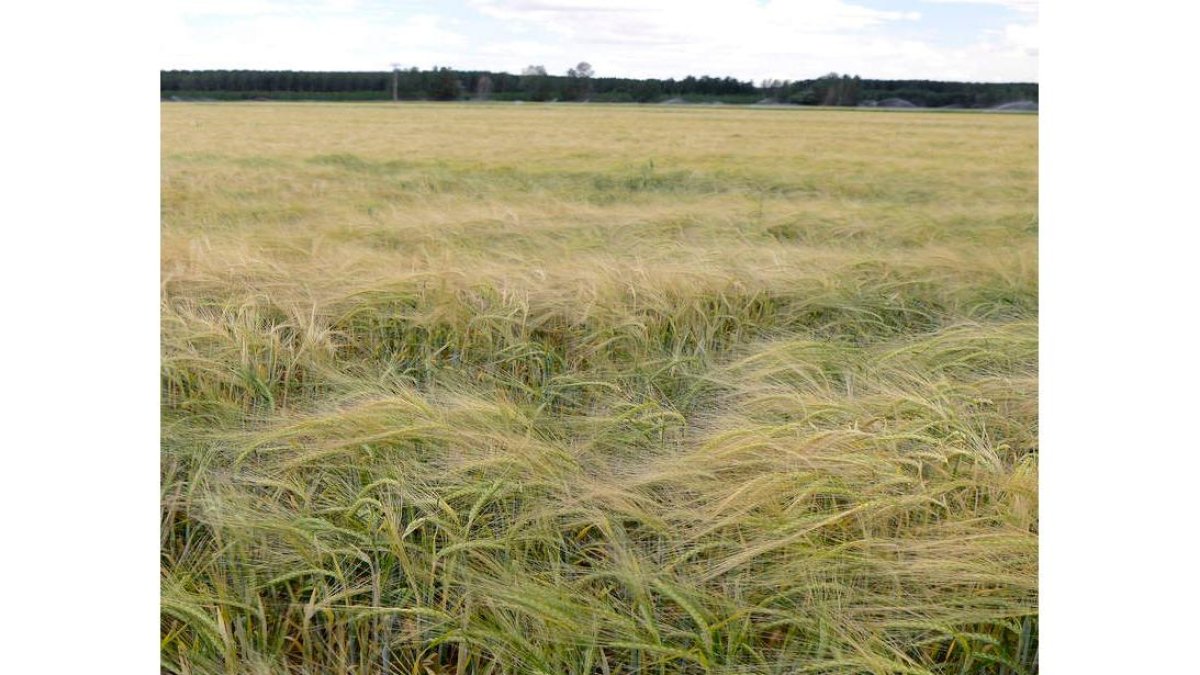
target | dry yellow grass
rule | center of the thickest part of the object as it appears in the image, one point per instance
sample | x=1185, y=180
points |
x=509, y=389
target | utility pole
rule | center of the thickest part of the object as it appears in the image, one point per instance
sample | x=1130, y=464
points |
x=395, y=82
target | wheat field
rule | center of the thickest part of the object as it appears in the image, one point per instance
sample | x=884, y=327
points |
x=504, y=389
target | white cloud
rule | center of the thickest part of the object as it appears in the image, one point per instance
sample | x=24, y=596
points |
x=676, y=21
x=1026, y=6
x=749, y=40
x=319, y=41
x=746, y=39
x=228, y=8
x=673, y=38
x=1023, y=38
x=1009, y=54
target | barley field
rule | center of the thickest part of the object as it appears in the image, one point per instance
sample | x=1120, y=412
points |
x=505, y=389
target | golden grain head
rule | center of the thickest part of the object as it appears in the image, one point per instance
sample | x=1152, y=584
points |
x=598, y=389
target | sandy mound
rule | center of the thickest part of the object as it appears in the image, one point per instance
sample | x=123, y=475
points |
x=1017, y=105
x=896, y=103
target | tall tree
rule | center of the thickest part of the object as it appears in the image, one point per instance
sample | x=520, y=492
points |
x=579, y=82
x=483, y=88
x=446, y=86
x=535, y=83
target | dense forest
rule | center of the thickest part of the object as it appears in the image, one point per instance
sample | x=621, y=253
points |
x=579, y=84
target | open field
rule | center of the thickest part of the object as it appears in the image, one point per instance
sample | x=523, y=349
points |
x=586, y=389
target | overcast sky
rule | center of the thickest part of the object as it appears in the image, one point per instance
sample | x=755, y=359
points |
x=975, y=40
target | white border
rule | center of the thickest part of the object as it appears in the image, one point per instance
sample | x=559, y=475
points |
x=1118, y=366
x=80, y=296
x=80, y=300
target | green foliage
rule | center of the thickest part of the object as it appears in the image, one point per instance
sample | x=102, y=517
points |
x=446, y=86
x=536, y=85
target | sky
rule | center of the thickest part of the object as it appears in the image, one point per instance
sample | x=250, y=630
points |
x=963, y=40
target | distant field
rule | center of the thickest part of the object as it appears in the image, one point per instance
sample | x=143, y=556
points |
x=470, y=388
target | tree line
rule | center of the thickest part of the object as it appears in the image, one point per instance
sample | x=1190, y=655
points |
x=579, y=83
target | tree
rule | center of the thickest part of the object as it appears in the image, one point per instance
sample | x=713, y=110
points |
x=852, y=91
x=579, y=82
x=775, y=89
x=446, y=86
x=647, y=91
x=483, y=88
x=828, y=88
x=585, y=72
x=535, y=83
